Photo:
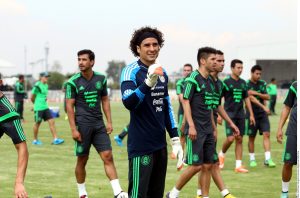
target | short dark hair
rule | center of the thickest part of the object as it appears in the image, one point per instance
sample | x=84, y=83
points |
x=204, y=52
x=137, y=35
x=256, y=67
x=88, y=52
x=235, y=61
x=273, y=79
x=219, y=52
x=21, y=76
x=188, y=65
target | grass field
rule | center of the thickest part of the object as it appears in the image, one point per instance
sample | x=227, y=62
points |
x=51, y=168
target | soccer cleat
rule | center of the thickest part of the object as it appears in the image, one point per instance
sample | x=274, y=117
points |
x=221, y=161
x=118, y=140
x=37, y=142
x=284, y=195
x=198, y=196
x=57, y=141
x=269, y=163
x=253, y=163
x=229, y=196
x=241, y=169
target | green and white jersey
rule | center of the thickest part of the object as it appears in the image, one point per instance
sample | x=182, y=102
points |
x=40, y=90
x=6, y=109
x=234, y=92
x=200, y=91
x=261, y=87
x=87, y=95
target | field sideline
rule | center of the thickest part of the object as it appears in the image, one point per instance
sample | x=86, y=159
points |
x=51, y=168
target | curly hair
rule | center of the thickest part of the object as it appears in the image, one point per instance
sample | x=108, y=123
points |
x=137, y=34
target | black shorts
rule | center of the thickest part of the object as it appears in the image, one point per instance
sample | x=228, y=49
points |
x=13, y=128
x=240, y=123
x=290, y=150
x=92, y=135
x=201, y=150
x=262, y=124
x=45, y=115
x=147, y=174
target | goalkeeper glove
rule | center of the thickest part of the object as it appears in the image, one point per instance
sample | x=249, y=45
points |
x=152, y=75
x=177, y=152
x=122, y=195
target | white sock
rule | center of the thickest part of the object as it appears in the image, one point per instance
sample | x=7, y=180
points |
x=252, y=156
x=267, y=155
x=238, y=163
x=221, y=153
x=224, y=192
x=116, y=186
x=199, y=192
x=285, y=186
x=81, y=189
x=174, y=192
x=205, y=197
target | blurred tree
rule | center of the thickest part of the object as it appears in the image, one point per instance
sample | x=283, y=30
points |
x=113, y=72
x=55, y=80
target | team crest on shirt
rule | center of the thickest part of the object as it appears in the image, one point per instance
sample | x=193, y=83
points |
x=162, y=79
x=145, y=160
x=195, y=157
x=287, y=156
x=98, y=85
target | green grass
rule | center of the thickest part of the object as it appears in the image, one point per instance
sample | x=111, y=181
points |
x=51, y=168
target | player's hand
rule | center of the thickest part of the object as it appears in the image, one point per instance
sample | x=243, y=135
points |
x=76, y=136
x=177, y=152
x=267, y=110
x=20, y=191
x=235, y=129
x=219, y=120
x=252, y=92
x=279, y=136
x=252, y=120
x=192, y=133
x=109, y=128
x=154, y=71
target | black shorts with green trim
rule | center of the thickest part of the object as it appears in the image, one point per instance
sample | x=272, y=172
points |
x=201, y=150
x=290, y=150
x=147, y=174
x=262, y=124
x=45, y=115
x=13, y=128
x=240, y=123
x=91, y=135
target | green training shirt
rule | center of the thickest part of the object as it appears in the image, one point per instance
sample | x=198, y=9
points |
x=40, y=90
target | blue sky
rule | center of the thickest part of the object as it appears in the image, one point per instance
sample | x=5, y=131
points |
x=242, y=29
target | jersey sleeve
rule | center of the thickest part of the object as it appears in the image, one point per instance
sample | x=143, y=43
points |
x=35, y=90
x=132, y=94
x=104, y=89
x=264, y=88
x=19, y=89
x=179, y=86
x=245, y=90
x=189, y=88
x=290, y=97
x=70, y=91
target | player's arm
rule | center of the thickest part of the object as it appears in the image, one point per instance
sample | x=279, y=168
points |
x=225, y=116
x=256, y=102
x=70, y=104
x=249, y=107
x=18, y=89
x=106, y=108
x=263, y=96
x=283, y=117
x=21, y=170
x=214, y=126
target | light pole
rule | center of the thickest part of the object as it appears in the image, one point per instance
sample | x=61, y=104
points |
x=46, y=55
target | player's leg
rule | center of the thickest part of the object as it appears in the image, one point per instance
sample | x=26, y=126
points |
x=48, y=117
x=251, y=131
x=158, y=174
x=226, y=144
x=36, y=126
x=264, y=127
x=239, y=147
x=82, y=150
x=290, y=159
x=101, y=142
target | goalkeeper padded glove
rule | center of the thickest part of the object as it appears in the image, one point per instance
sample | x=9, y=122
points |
x=152, y=75
x=122, y=195
x=177, y=152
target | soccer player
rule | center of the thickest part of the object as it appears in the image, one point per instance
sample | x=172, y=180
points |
x=258, y=97
x=215, y=172
x=19, y=96
x=235, y=93
x=119, y=138
x=197, y=105
x=144, y=87
x=290, y=151
x=85, y=93
x=272, y=91
x=187, y=69
x=11, y=125
x=41, y=109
